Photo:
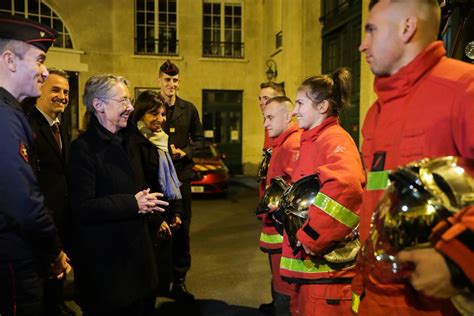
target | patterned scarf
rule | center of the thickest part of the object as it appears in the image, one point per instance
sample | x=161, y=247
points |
x=166, y=173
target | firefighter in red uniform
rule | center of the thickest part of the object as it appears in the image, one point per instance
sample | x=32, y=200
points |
x=329, y=152
x=268, y=90
x=424, y=107
x=285, y=137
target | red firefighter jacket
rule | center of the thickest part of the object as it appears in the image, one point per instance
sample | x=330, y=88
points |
x=423, y=110
x=285, y=151
x=328, y=151
x=455, y=240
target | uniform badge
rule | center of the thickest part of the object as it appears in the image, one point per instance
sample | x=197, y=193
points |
x=339, y=149
x=23, y=152
x=378, y=163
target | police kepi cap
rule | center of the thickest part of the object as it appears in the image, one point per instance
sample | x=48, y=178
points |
x=169, y=68
x=31, y=32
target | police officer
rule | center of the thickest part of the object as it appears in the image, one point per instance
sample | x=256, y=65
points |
x=28, y=241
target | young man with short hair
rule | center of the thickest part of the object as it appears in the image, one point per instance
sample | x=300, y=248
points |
x=285, y=140
x=29, y=245
x=424, y=109
x=183, y=126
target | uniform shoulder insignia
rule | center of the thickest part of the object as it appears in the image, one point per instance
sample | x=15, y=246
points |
x=23, y=152
x=339, y=149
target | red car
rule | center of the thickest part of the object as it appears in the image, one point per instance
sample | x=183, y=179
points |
x=210, y=173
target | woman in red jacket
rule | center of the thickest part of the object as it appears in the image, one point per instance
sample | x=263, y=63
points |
x=329, y=152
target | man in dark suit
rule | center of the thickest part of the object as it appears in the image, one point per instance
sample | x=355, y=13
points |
x=183, y=127
x=50, y=149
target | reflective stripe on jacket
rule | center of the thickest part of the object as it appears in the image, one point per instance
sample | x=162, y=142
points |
x=328, y=151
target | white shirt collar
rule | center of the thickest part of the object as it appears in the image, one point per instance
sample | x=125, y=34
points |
x=48, y=118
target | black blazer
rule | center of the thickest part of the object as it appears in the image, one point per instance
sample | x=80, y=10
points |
x=183, y=127
x=113, y=258
x=49, y=165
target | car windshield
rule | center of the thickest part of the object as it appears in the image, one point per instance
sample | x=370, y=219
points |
x=208, y=151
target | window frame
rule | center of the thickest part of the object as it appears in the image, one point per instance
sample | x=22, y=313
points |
x=156, y=29
x=218, y=47
x=66, y=41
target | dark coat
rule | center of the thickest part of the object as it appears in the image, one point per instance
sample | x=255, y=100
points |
x=113, y=257
x=26, y=230
x=149, y=159
x=49, y=165
x=183, y=127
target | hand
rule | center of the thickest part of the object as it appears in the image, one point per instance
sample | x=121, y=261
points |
x=306, y=249
x=164, y=231
x=431, y=275
x=176, y=222
x=60, y=266
x=149, y=202
x=177, y=153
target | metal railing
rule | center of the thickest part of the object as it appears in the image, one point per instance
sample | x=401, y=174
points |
x=279, y=40
x=156, y=47
x=223, y=49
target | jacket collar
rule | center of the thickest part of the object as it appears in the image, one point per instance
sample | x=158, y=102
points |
x=9, y=99
x=178, y=110
x=311, y=135
x=280, y=139
x=45, y=129
x=96, y=129
x=399, y=84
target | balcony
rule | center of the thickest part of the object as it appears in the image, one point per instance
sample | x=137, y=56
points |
x=156, y=47
x=223, y=49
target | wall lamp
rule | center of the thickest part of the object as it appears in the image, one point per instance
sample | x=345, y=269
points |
x=272, y=71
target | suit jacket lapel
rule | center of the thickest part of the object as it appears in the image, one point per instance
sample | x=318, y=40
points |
x=178, y=109
x=65, y=141
x=47, y=132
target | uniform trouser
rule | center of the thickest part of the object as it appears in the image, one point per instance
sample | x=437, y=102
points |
x=376, y=302
x=181, y=240
x=21, y=289
x=283, y=293
x=53, y=296
x=324, y=299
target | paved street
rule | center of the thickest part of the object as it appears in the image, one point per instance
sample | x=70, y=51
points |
x=229, y=274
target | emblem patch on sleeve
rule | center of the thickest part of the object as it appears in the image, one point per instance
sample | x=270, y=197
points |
x=23, y=152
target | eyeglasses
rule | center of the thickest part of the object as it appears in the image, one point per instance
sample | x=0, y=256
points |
x=124, y=101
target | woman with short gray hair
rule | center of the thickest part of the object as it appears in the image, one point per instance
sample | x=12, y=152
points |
x=115, y=272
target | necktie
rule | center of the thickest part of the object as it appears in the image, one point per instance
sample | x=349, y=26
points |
x=57, y=134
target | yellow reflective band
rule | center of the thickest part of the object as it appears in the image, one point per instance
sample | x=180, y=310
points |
x=271, y=239
x=305, y=266
x=378, y=180
x=355, y=302
x=336, y=210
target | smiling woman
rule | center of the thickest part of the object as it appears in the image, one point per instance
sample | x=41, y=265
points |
x=108, y=97
x=108, y=202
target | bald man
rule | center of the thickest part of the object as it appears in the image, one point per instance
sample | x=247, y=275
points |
x=285, y=139
x=424, y=109
x=268, y=90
